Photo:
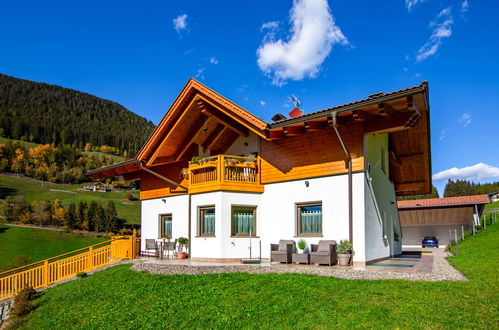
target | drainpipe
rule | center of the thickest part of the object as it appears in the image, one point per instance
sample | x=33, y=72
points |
x=349, y=166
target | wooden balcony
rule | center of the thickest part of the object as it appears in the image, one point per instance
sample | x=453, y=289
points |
x=223, y=172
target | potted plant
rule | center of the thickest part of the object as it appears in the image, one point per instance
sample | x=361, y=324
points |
x=302, y=245
x=344, y=250
x=182, y=242
x=195, y=160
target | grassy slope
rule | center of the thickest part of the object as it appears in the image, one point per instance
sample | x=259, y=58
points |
x=38, y=244
x=493, y=205
x=24, y=143
x=128, y=299
x=35, y=190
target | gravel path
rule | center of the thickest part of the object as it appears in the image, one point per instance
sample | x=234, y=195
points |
x=442, y=271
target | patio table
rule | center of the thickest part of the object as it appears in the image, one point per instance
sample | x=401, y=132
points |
x=300, y=258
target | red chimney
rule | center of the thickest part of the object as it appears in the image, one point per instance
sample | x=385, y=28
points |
x=295, y=113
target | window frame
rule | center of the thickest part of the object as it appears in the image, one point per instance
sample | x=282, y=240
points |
x=298, y=207
x=243, y=207
x=201, y=210
x=161, y=224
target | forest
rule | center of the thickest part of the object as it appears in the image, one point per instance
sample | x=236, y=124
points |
x=62, y=164
x=49, y=114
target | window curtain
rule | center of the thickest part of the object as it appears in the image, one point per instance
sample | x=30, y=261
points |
x=167, y=226
x=209, y=222
x=243, y=222
x=311, y=221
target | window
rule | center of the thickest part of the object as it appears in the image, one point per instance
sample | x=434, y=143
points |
x=244, y=221
x=309, y=219
x=165, y=225
x=206, y=223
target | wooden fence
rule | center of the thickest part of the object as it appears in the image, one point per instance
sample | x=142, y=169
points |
x=49, y=271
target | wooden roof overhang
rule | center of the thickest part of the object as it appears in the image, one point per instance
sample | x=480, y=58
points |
x=199, y=117
x=127, y=169
x=403, y=114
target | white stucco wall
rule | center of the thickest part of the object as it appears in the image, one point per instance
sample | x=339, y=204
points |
x=239, y=148
x=276, y=216
x=177, y=206
x=381, y=219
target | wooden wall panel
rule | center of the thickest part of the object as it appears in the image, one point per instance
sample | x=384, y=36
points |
x=312, y=154
x=153, y=187
x=437, y=215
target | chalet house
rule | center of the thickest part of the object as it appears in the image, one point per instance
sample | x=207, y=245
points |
x=217, y=174
x=96, y=186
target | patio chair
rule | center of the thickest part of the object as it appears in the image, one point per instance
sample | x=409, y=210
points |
x=170, y=246
x=283, y=251
x=151, y=245
x=324, y=253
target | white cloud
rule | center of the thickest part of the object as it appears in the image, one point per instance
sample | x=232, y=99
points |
x=465, y=119
x=313, y=34
x=475, y=172
x=273, y=25
x=465, y=6
x=263, y=103
x=443, y=135
x=180, y=23
x=213, y=60
x=442, y=28
x=412, y=3
x=200, y=73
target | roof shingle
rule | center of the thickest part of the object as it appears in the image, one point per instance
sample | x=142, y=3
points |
x=446, y=201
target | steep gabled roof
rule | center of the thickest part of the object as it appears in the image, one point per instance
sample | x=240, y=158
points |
x=191, y=92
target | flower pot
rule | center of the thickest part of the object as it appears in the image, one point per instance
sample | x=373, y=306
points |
x=344, y=259
x=182, y=255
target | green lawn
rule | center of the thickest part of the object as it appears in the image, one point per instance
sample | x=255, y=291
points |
x=121, y=298
x=67, y=193
x=38, y=244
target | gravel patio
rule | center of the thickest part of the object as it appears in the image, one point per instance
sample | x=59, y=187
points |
x=427, y=267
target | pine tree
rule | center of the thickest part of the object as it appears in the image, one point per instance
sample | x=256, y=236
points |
x=88, y=224
x=100, y=219
x=71, y=216
x=111, y=217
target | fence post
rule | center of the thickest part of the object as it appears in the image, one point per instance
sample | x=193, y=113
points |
x=90, y=258
x=457, y=243
x=45, y=273
x=462, y=232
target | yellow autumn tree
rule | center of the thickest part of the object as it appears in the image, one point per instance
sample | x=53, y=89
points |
x=58, y=213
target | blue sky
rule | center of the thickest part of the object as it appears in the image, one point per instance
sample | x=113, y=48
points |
x=256, y=53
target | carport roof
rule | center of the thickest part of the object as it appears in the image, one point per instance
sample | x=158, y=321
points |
x=446, y=201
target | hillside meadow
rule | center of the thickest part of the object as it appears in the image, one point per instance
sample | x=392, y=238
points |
x=32, y=190
x=37, y=244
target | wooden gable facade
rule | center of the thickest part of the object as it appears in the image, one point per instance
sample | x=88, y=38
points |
x=202, y=123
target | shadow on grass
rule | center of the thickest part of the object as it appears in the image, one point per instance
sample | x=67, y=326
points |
x=3, y=229
x=6, y=191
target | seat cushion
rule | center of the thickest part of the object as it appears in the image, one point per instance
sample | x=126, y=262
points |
x=320, y=253
x=283, y=252
x=324, y=245
x=283, y=244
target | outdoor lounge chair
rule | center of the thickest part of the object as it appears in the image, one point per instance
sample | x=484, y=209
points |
x=283, y=251
x=324, y=253
x=151, y=245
